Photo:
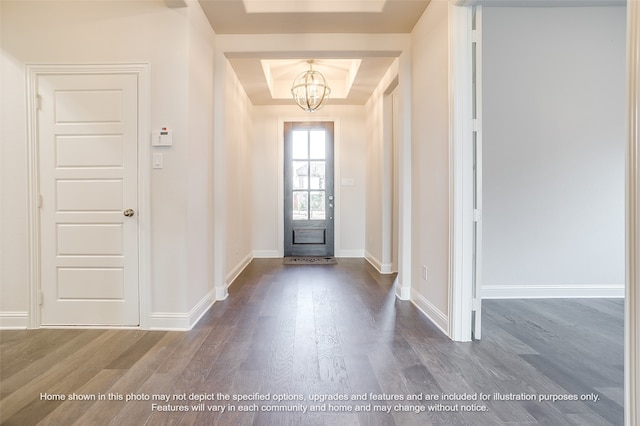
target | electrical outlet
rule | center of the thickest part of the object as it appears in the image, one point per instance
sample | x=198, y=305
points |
x=424, y=272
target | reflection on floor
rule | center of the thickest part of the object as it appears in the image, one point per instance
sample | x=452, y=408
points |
x=292, y=339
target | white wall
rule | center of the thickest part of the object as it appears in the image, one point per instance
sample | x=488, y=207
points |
x=178, y=46
x=554, y=151
x=430, y=166
x=349, y=144
x=374, y=170
x=379, y=173
x=200, y=220
x=238, y=171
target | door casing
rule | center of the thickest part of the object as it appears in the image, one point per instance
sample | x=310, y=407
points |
x=142, y=73
x=338, y=252
x=327, y=225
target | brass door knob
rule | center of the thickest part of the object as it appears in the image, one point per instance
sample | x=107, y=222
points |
x=128, y=212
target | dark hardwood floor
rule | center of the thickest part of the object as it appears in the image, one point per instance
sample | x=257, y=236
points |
x=298, y=333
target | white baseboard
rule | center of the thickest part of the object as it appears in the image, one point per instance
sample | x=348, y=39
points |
x=266, y=254
x=350, y=253
x=403, y=292
x=434, y=314
x=235, y=272
x=178, y=321
x=383, y=268
x=373, y=261
x=552, y=291
x=14, y=320
x=386, y=268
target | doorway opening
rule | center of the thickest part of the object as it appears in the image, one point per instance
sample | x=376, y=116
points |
x=308, y=189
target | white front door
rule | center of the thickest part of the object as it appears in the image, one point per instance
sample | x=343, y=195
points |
x=88, y=144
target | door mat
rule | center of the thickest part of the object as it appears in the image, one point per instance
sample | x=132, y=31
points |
x=310, y=260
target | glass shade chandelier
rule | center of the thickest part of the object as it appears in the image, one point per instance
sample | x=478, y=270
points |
x=310, y=89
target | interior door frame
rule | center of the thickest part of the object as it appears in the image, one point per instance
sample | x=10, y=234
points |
x=141, y=71
x=460, y=329
x=336, y=174
x=632, y=221
x=462, y=306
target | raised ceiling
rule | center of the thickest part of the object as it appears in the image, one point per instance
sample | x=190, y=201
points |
x=313, y=16
x=267, y=79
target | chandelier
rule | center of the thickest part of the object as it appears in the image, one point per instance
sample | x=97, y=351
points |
x=310, y=89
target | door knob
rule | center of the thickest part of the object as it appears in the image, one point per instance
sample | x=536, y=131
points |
x=128, y=212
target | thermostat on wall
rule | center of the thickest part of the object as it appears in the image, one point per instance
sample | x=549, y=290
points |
x=163, y=137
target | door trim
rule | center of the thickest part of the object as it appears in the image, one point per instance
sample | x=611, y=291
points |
x=141, y=70
x=460, y=175
x=305, y=227
x=632, y=282
x=336, y=173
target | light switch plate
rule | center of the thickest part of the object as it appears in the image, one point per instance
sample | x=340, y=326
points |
x=347, y=182
x=158, y=160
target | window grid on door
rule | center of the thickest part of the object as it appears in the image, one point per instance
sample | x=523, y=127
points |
x=309, y=175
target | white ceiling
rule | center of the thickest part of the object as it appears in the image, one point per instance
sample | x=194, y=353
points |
x=267, y=79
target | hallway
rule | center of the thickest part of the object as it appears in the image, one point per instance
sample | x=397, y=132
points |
x=301, y=332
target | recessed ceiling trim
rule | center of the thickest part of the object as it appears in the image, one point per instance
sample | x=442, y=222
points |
x=339, y=73
x=353, y=72
x=313, y=16
x=266, y=69
x=313, y=6
x=376, y=51
x=314, y=54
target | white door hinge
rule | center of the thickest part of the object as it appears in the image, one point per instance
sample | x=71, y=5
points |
x=477, y=215
x=38, y=102
x=474, y=36
x=476, y=125
x=39, y=201
x=40, y=298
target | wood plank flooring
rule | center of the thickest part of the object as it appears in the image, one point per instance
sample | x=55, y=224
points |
x=300, y=333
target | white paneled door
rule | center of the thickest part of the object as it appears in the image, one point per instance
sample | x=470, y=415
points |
x=88, y=144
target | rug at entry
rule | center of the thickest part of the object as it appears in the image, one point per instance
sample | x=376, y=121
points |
x=310, y=260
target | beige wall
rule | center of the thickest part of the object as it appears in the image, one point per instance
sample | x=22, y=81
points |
x=178, y=46
x=239, y=203
x=430, y=166
x=350, y=143
x=181, y=50
x=200, y=220
x=379, y=172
